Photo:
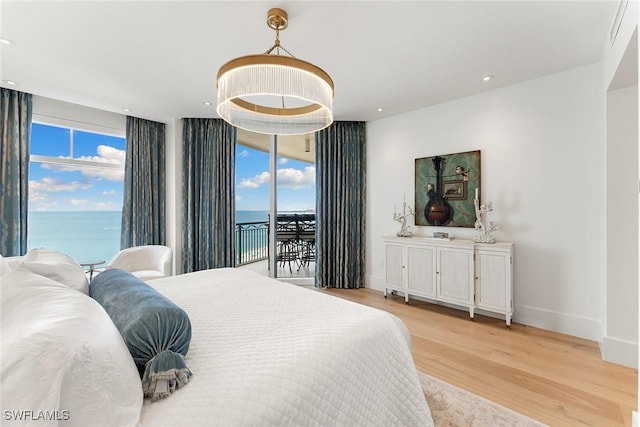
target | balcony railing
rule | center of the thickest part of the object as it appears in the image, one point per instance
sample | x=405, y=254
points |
x=252, y=242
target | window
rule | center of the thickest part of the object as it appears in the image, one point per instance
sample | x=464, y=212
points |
x=75, y=191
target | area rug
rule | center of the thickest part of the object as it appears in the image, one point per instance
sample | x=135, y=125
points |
x=453, y=407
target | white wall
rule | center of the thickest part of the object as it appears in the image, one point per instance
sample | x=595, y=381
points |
x=174, y=191
x=54, y=112
x=543, y=153
x=621, y=322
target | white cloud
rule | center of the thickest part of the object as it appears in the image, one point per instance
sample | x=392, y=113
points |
x=49, y=184
x=296, y=178
x=256, y=181
x=89, y=204
x=43, y=206
x=38, y=190
x=243, y=153
x=287, y=177
x=79, y=202
x=106, y=154
x=238, y=198
x=282, y=160
x=108, y=174
x=35, y=196
x=109, y=193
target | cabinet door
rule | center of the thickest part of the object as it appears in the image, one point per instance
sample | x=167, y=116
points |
x=455, y=275
x=494, y=280
x=421, y=270
x=393, y=266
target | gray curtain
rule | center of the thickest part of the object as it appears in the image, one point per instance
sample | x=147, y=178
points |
x=340, y=205
x=15, y=139
x=208, y=194
x=143, y=212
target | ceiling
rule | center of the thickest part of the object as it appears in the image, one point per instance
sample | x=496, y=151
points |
x=160, y=58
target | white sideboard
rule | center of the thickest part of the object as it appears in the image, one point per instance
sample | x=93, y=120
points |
x=459, y=272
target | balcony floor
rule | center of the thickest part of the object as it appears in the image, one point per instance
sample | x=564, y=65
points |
x=262, y=267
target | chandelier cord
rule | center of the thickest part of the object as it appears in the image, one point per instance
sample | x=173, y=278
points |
x=277, y=46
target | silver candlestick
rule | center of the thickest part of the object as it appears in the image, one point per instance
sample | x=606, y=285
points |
x=485, y=230
x=402, y=219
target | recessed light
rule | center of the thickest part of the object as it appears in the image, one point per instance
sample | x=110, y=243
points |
x=487, y=78
x=6, y=41
x=380, y=109
x=10, y=82
x=127, y=110
x=208, y=103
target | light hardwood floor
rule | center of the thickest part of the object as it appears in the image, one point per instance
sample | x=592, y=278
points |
x=557, y=379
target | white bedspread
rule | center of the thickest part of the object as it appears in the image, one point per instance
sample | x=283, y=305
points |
x=267, y=353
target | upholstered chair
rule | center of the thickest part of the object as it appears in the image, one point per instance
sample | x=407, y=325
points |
x=145, y=262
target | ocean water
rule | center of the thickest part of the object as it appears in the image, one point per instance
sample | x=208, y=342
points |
x=94, y=236
x=85, y=236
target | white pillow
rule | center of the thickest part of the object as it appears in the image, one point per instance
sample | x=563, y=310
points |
x=61, y=352
x=57, y=266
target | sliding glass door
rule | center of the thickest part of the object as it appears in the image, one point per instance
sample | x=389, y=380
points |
x=295, y=207
x=275, y=205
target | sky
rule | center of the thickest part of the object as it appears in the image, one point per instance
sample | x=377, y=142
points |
x=54, y=187
x=296, y=182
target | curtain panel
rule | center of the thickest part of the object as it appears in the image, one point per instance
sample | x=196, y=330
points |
x=16, y=110
x=143, y=212
x=340, y=205
x=208, y=203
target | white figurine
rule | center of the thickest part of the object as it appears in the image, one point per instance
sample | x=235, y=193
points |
x=402, y=219
x=485, y=231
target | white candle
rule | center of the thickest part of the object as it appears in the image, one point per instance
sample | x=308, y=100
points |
x=476, y=194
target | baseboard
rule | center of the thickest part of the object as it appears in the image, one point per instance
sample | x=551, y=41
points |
x=620, y=352
x=576, y=326
x=635, y=419
x=545, y=319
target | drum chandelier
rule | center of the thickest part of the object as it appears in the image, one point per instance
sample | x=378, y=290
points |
x=272, y=93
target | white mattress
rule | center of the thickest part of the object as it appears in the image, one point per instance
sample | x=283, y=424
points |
x=267, y=353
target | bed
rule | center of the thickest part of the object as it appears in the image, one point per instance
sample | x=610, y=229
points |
x=262, y=353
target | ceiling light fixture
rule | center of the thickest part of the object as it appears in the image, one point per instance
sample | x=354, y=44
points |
x=487, y=78
x=6, y=41
x=10, y=82
x=208, y=103
x=275, y=94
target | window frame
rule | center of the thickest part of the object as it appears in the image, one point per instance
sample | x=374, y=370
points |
x=71, y=161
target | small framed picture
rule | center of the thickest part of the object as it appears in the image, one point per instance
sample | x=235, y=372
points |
x=455, y=190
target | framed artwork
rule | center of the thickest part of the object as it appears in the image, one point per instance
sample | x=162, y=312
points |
x=455, y=190
x=445, y=188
